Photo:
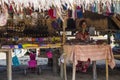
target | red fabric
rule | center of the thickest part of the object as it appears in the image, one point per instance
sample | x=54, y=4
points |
x=30, y=10
x=49, y=54
x=32, y=56
x=32, y=63
x=82, y=36
x=78, y=7
x=51, y=13
x=11, y=8
x=83, y=66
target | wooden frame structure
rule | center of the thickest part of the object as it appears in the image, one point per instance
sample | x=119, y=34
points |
x=9, y=62
x=8, y=53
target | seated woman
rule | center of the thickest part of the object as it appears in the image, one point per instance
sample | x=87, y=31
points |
x=83, y=36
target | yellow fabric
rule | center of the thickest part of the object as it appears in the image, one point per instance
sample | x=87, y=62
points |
x=30, y=45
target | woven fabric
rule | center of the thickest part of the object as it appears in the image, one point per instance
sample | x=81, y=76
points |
x=76, y=53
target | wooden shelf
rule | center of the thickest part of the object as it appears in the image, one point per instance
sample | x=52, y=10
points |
x=117, y=55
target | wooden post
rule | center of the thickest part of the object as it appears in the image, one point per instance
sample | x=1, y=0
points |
x=9, y=65
x=61, y=70
x=94, y=71
x=107, y=70
x=74, y=71
x=64, y=40
x=63, y=66
x=74, y=66
x=55, y=61
x=65, y=71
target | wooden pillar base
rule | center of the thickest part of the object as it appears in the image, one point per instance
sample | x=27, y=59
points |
x=94, y=70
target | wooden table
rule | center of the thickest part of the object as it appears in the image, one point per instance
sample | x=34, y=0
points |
x=83, y=52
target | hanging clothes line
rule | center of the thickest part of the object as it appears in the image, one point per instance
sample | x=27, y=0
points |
x=99, y=6
x=46, y=4
x=59, y=7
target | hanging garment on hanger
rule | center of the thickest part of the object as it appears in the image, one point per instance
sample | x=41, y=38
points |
x=112, y=8
x=115, y=7
x=71, y=23
x=101, y=7
x=60, y=23
x=3, y=15
x=93, y=7
x=51, y=13
x=10, y=10
x=64, y=6
x=70, y=13
x=79, y=13
x=118, y=7
x=54, y=24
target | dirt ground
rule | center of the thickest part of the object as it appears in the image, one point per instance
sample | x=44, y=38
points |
x=48, y=74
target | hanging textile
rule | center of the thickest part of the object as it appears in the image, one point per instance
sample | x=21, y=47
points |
x=71, y=23
x=60, y=23
x=32, y=56
x=69, y=13
x=117, y=7
x=79, y=13
x=3, y=15
x=52, y=13
x=49, y=54
x=15, y=61
x=54, y=24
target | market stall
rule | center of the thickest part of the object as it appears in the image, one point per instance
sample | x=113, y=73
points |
x=9, y=56
x=41, y=21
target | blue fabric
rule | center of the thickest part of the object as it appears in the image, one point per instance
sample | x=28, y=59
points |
x=117, y=36
x=112, y=8
x=79, y=14
x=20, y=46
x=64, y=6
x=54, y=24
x=15, y=61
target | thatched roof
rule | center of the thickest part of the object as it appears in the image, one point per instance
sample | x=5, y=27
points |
x=116, y=19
